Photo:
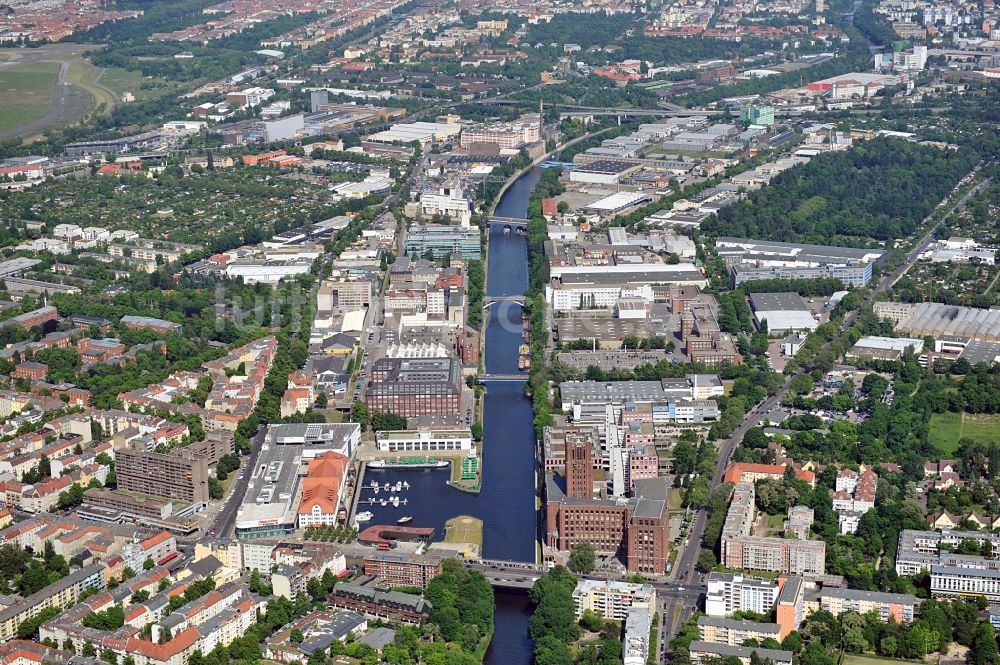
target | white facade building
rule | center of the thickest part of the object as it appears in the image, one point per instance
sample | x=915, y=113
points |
x=612, y=599
x=405, y=441
x=728, y=593
x=449, y=202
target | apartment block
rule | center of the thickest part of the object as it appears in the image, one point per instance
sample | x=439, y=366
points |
x=60, y=594
x=735, y=632
x=402, y=569
x=790, y=606
x=728, y=593
x=700, y=651
x=180, y=474
x=611, y=599
x=742, y=550
x=898, y=607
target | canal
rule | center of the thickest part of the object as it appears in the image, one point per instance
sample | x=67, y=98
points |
x=506, y=502
x=508, y=496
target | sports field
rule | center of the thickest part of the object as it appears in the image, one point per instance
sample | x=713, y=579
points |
x=464, y=529
x=26, y=92
x=947, y=429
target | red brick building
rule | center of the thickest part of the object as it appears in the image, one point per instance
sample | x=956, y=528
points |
x=99, y=350
x=415, y=386
x=637, y=528
x=402, y=570
x=31, y=370
x=36, y=317
x=579, y=468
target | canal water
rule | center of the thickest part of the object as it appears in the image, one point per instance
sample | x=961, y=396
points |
x=510, y=531
x=506, y=503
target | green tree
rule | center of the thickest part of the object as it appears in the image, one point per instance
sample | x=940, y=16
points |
x=582, y=558
x=359, y=414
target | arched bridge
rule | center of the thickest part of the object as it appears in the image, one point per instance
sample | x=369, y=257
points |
x=492, y=300
x=513, y=222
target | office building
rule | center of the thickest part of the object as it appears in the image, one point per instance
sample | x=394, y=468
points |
x=693, y=386
x=504, y=135
x=449, y=202
x=602, y=287
x=322, y=489
x=429, y=440
x=415, y=386
x=750, y=260
x=348, y=294
x=611, y=599
x=279, y=487
x=390, y=605
x=579, y=468
x=921, y=550
x=758, y=115
x=965, y=582
x=636, y=527
x=441, y=241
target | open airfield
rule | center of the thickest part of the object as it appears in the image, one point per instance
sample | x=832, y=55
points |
x=48, y=86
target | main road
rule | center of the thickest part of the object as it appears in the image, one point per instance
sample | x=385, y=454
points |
x=674, y=609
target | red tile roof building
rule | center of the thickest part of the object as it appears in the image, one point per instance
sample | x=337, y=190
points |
x=740, y=471
x=322, y=489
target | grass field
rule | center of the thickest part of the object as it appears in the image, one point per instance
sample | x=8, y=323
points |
x=121, y=80
x=947, y=429
x=675, y=498
x=84, y=75
x=26, y=92
x=464, y=529
x=850, y=659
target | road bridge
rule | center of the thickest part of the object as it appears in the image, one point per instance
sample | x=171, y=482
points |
x=509, y=221
x=492, y=300
x=507, y=574
x=484, y=378
x=600, y=110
